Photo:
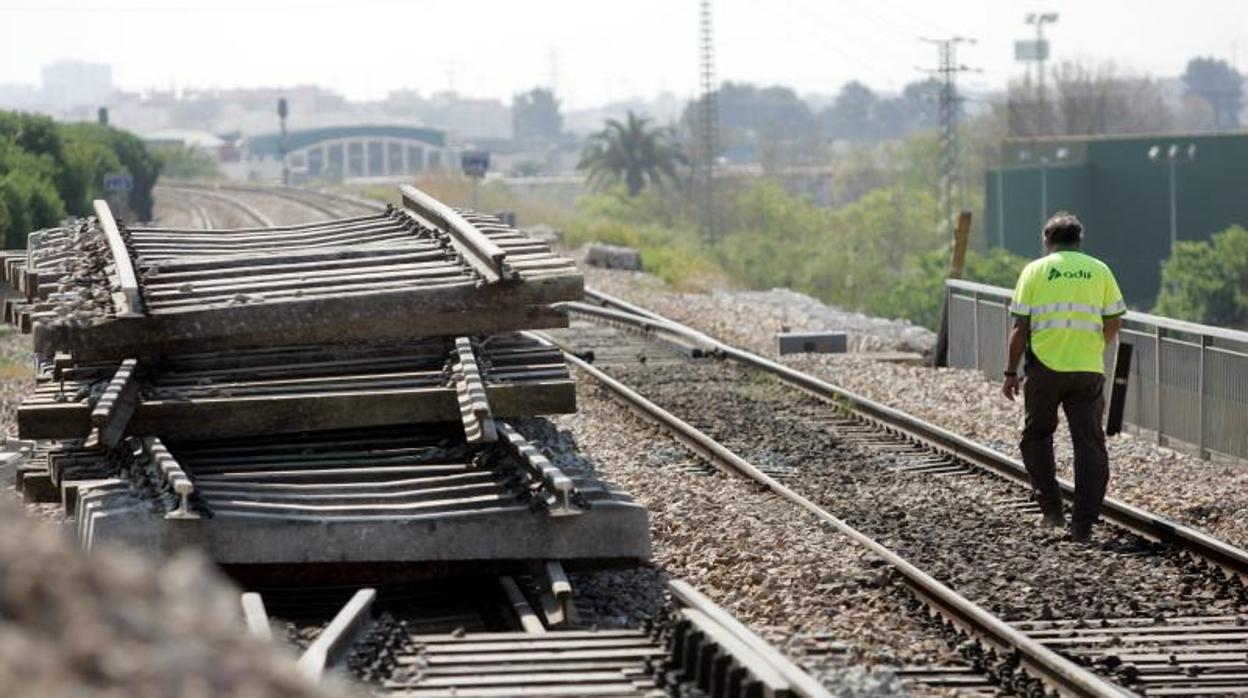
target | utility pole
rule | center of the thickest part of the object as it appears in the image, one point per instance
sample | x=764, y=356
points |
x=708, y=122
x=282, y=110
x=950, y=102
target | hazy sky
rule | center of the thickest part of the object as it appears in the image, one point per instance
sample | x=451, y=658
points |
x=594, y=50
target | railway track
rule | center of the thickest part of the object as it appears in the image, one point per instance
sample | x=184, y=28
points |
x=1184, y=635
x=501, y=637
x=199, y=196
x=236, y=446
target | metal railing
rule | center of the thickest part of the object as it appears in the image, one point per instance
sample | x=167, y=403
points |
x=1188, y=384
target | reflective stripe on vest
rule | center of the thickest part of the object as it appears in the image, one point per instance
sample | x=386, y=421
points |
x=1066, y=324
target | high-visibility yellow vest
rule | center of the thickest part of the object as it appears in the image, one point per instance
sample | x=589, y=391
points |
x=1067, y=295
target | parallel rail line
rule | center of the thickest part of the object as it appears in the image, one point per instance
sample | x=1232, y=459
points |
x=1050, y=666
x=1195, y=662
x=1152, y=526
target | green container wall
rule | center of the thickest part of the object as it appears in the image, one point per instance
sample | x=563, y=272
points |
x=1124, y=200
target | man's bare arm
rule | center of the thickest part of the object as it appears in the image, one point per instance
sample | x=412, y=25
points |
x=1019, y=334
x=1111, y=327
x=1018, y=344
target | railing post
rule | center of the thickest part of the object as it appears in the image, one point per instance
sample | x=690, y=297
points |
x=1200, y=398
x=975, y=328
x=1157, y=379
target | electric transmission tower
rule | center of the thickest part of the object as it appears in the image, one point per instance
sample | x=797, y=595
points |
x=708, y=125
x=950, y=106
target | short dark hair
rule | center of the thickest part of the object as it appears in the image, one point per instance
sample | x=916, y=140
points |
x=1063, y=229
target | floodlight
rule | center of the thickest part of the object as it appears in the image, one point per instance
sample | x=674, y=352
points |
x=1153, y=152
x=1173, y=152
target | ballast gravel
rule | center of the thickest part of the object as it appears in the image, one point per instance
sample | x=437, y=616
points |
x=832, y=607
x=1210, y=495
x=768, y=312
x=113, y=624
x=954, y=527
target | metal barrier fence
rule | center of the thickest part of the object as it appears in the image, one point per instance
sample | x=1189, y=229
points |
x=1188, y=384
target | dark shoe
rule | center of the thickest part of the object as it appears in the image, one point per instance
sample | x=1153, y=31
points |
x=1053, y=521
x=1081, y=535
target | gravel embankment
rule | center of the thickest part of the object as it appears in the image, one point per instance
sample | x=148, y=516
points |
x=767, y=312
x=829, y=604
x=1212, y=496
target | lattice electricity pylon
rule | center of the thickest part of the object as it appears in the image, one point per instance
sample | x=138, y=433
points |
x=708, y=122
x=947, y=70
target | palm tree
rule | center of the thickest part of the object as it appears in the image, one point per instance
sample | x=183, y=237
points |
x=633, y=151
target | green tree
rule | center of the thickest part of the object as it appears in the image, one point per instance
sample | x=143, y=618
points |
x=918, y=293
x=131, y=152
x=50, y=170
x=1207, y=281
x=535, y=114
x=180, y=162
x=28, y=196
x=633, y=152
x=849, y=117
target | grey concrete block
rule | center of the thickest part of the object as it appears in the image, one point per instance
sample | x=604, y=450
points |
x=813, y=342
x=613, y=257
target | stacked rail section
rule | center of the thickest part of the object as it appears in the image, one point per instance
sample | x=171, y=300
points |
x=338, y=392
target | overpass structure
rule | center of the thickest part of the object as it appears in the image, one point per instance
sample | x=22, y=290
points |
x=349, y=152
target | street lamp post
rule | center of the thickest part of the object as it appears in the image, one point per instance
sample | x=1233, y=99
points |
x=1044, y=189
x=1001, y=206
x=1173, y=156
x=1043, y=159
x=283, y=110
x=1039, y=54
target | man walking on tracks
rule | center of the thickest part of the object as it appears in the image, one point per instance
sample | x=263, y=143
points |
x=1066, y=308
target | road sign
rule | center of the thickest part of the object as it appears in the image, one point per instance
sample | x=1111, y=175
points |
x=1031, y=50
x=475, y=162
x=118, y=181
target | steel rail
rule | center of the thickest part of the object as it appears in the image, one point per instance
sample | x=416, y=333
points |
x=1232, y=559
x=216, y=194
x=485, y=254
x=184, y=200
x=130, y=300
x=729, y=631
x=1052, y=668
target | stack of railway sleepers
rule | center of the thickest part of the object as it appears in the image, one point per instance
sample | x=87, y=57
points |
x=329, y=393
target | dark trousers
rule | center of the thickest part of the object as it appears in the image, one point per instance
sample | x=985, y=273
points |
x=1082, y=397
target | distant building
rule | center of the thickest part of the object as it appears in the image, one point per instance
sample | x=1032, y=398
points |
x=75, y=83
x=1120, y=186
x=348, y=152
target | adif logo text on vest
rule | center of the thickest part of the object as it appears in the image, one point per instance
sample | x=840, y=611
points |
x=1056, y=273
